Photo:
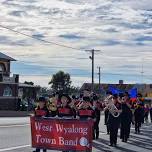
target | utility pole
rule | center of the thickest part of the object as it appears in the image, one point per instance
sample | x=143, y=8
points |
x=99, y=77
x=142, y=75
x=92, y=59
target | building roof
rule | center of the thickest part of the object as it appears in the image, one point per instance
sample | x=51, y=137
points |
x=3, y=56
x=105, y=86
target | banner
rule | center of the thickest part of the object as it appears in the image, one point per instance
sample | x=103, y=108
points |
x=133, y=94
x=61, y=134
x=115, y=90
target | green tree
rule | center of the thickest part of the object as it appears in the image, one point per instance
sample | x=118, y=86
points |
x=60, y=82
x=74, y=90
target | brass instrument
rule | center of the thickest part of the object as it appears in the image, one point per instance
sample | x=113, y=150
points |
x=52, y=104
x=111, y=107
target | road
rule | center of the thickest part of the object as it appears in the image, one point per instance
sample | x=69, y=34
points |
x=15, y=137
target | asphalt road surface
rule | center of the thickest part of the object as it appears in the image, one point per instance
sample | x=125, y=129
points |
x=15, y=137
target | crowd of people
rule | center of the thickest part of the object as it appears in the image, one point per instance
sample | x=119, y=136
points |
x=89, y=106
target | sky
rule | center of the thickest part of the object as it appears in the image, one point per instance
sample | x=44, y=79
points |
x=121, y=29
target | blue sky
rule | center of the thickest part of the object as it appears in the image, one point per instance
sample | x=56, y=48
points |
x=122, y=30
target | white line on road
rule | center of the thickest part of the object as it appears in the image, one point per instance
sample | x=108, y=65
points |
x=13, y=148
x=10, y=126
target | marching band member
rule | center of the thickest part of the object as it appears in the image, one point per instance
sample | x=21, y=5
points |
x=52, y=107
x=146, y=112
x=126, y=118
x=41, y=111
x=97, y=107
x=141, y=103
x=114, y=122
x=74, y=102
x=106, y=114
x=65, y=110
x=79, y=101
x=138, y=114
x=86, y=111
x=151, y=113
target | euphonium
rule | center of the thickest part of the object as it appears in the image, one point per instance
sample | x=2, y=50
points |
x=52, y=104
x=111, y=107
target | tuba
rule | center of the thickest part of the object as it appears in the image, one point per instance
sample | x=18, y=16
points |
x=111, y=107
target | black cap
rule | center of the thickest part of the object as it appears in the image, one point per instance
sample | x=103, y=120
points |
x=42, y=99
x=115, y=96
x=109, y=92
x=95, y=98
x=86, y=99
x=73, y=97
x=81, y=95
x=67, y=96
x=139, y=95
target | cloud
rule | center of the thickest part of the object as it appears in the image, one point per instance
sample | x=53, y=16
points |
x=18, y=13
x=121, y=29
x=71, y=36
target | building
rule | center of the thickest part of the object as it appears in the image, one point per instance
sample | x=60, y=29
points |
x=10, y=88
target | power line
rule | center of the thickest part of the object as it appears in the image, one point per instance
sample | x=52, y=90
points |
x=50, y=42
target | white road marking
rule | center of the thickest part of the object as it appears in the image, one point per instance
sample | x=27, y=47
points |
x=11, y=126
x=102, y=133
x=13, y=148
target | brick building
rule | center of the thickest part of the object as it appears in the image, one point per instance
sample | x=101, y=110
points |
x=10, y=87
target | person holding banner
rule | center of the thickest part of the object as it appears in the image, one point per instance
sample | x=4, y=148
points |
x=65, y=110
x=86, y=112
x=52, y=107
x=41, y=111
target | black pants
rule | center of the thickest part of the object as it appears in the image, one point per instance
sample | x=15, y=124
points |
x=96, y=129
x=108, y=130
x=146, y=116
x=113, y=134
x=137, y=126
x=125, y=131
x=151, y=116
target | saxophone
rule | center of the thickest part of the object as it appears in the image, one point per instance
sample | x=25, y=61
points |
x=111, y=107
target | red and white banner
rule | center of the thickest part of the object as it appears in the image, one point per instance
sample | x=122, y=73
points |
x=61, y=134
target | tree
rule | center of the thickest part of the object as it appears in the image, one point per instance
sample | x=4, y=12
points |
x=60, y=82
x=44, y=91
x=29, y=83
x=74, y=90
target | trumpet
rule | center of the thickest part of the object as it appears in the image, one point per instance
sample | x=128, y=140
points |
x=111, y=107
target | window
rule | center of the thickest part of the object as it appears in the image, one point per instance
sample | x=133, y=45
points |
x=7, y=92
x=2, y=67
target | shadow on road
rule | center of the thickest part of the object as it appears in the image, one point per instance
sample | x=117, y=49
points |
x=142, y=140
